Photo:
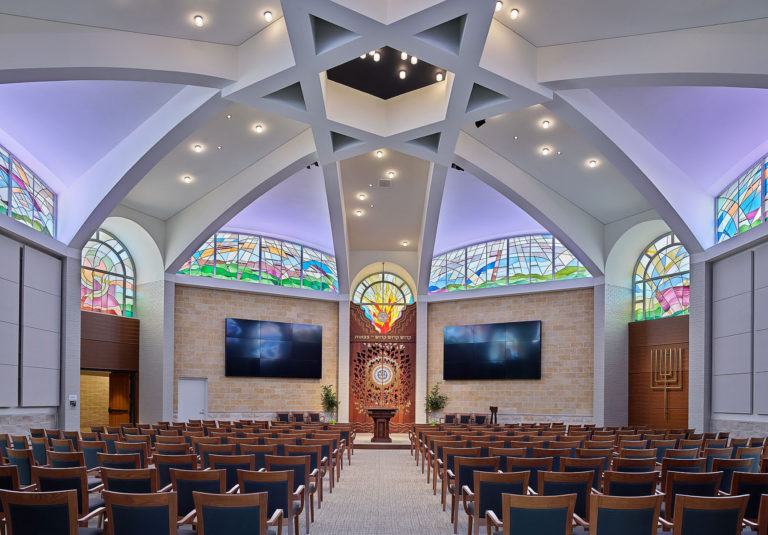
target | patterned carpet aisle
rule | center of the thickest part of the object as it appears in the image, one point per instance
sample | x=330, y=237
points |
x=381, y=493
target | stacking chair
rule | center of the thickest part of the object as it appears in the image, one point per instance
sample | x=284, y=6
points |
x=315, y=417
x=214, y=449
x=123, y=461
x=61, y=445
x=58, y=479
x=298, y=417
x=716, y=443
x=164, y=463
x=164, y=448
x=186, y=482
x=606, y=454
x=235, y=514
x=435, y=455
x=5, y=443
x=24, y=463
x=676, y=453
x=140, y=481
x=578, y=483
x=680, y=465
x=638, y=453
x=446, y=468
x=316, y=471
x=43, y=512
x=19, y=442
x=542, y=515
x=90, y=450
x=140, y=448
x=301, y=476
x=705, y=484
x=754, y=485
x=74, y=436
x=631, y=464
x=533, y=466
x=728, y=467
x=709, y=516
x=630, y=483
x=584, y=465
x=753, y=453
x=610, y=515
x=555, y=453
x=465, y=468
x=109, y=439
x=39, y=448
x=281, y=493
x=70, y=459
x=281, y=443
x=231, y=464
x=487, y=495
x=258, y=453
x=716, y=453
x=134, y=514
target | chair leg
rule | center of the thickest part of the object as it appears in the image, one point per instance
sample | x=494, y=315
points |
x=312, y=506
x=443, y=490
x=295, y=530
x=469, y=525
x=476, y=531
x=320, y=492
x=306, y=509
x=456, y=515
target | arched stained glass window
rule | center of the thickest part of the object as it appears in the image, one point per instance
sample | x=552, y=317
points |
x=383, y=297
x=662, y=279
x=108, y=278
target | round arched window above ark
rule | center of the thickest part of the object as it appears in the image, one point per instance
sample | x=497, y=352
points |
x=107, y=277
x=662, y=279
x=383, y=297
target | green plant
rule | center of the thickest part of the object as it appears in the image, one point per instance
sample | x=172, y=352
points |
x=332, y=422
x=435, y=401
x=329, y=399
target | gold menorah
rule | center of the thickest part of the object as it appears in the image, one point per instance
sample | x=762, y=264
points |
x=667, y=373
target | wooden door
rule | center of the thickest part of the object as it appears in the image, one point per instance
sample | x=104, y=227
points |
x=119, y=398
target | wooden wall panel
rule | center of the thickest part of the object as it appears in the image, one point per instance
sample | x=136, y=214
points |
x=109, y=342
x=647, y=406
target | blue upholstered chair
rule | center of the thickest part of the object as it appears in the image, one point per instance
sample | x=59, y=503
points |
x=728, y=467
x=316, y=472
x=711, y=454
x=606, y=454
x=704, y=484
x=124, y=461
x=19, y=442
x=142, y=514
x=43, y=513
x=300, y=467
x=90, y=449
x=755, y=485
x=5, y=443
x=584, y=465
x=560, y=483
x=445, y=465
x=164, y=463
x=24, y=462
x=39, y=448
x=231, y=464
x=627, y=484
x=61, y=445
x=185, y=482
x=65, y=459
x=669, y=464
x=488, y=489
x=74, y=436
x=109, y=439
x=282, y=495
x=524, y=515
x=611, y=515
x=140, y=448
x=754, y=453
x=141, y=481
x=534, y=466
x=463, y=476
x=661, y=448
x=235, y=514
x=631, y=464
x=555, y=453
x=259, y=453
x=709, y=516
x=58, y=479
x=172, y=449
x=205, y=450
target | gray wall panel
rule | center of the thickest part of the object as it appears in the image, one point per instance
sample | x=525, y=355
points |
x=761, y=309
x=9, y=386
x=39, y=387
x=732, y=316
x=10, y=252
x=9, y=297
x=761, y=351
x=732, y=276
x=9, y=338
x=41, y=310
x=732, y=354
x=42, y=349
x=732, y=393
x=761, y=393
x=42, y=271
x=761, y=260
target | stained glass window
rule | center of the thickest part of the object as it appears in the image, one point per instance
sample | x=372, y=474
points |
x=383, y=297
x=5, y=166
x=253, y=258
x=107, y=278
x=516, y=260
x=740, y=206
x=662, y=279
x=24, y=196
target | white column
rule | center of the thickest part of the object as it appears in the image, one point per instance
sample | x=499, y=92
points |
x=343, y=362
x=421, y=360
x=69, y=417
x=700, y=346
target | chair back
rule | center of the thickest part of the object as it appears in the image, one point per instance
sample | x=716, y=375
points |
x=755, y=485
x=630, y=483
x=638, y=453
x=715, y=443
x=605, y=454
x=531, y=465
x=584, y=465
x=753, y=453
x=58, y=479
x=466, y=467
x=231, y=464
x=175, y=438
x=314, y=453
x=504, y=453
x=559, y=483
x=5, y=443
x=40, y=513
x=185, y=482
x=39, y=448
x=555, y=453
x=141, y=448
x=110, y=439
x=141, y=481
x=661, y=447
x=449, y=455
x=231, y=514
x=705, y=484
x=709, y=516
x=298, y=464
x=278, y=485
x=124, y=461
x=145, y=514
x=165, y=448
x=164, y=463
x=716, y=453
x=69, y=459
x=631, y=464
x=61, y=445
x=543, y=515
x=214, y=449
x=610, y=515
x=9, y=479
x=728, y=467
x=23, y=461
x=490, y=486
x=74, y=436
x=680, y=465
x=258, y=453
x=90, y=449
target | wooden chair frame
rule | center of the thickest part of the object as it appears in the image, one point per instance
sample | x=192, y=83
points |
x=194, y=475
x=293, y=494
x=141, y=473
x=708, y=504
x=475, y=518
x=82, y=509
x=570, y=477
x=509, y=501
x=219, y=462
x=668, y=463
x=610, y=477
x=624, y=503
x=120, y=458
x=161, y=499
x=65, y=497
x=227, y=501
x=693, y=477
x=458, y=462
x=286, y=460
x=316, y=474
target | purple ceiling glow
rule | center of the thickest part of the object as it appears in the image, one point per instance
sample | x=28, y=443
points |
x=473, y=212
x=296, y=209
x=68, y=126
x=710, y=133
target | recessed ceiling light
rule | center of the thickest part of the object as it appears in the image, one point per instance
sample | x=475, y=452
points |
x=545, y=124
x=515, y=137
x=198, y=148
x=258, y=128
x=514, y=14
x=414, y=60
x=439, y=77
x=559, y=153
x=545, y=151
x=371, y=53
x=198, y=20
x=187, y=179
x=361, y=196
x=403, y=55
x=405, y=243
x=358, y=213
x=391, y=174
x=219, y=147
x=379, y=154
x=229, y=116
x=363, y=56
x=268, y=16
x=403, y=74
x=499, y=5
x=592, y=163
x=371, y=206
x=370, y=185
x=376, y=56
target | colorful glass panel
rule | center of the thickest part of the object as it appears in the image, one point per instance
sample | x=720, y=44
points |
x=22, y=194
x=107, y=283
x=541, y=258
x=271, y=261
x=248, y=258
x=438, y=274
x=291, y=272
x=519, y=260
x=332, y=275
x=662, y=279
x=567, y=266
x=227, y=244
x=383, y=297
x=314, y=269
x=750, y=193
x=5, y=166
x=456, y=270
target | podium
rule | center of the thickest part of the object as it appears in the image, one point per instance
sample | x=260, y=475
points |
x=381, y=417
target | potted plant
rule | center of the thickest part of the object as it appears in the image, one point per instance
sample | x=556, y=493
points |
x=435, y=402
x=330, y=402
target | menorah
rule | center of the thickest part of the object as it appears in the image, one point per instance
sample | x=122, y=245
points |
x=667, y=373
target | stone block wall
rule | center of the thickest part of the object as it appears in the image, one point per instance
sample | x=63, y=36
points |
x=565, y=390
x=199, y=325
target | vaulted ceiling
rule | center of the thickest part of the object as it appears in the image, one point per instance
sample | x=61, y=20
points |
x=570, y=118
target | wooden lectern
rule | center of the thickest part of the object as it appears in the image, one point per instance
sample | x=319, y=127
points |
x=381, y=417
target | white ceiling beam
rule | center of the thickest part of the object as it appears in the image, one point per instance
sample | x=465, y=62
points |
x=722, y=55
x=430, y=219
x=335, y=195
x=188, y=229
x=679, y=200
x=40, y=50
x=581, y=233
x=110, y=179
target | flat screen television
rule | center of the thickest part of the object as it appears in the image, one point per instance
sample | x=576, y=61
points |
x=273, y=349
x=492, y=351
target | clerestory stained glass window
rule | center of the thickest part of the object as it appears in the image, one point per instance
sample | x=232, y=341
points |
x=662, y=279
x=24, y=196
x=108, y=277
x=383, y=297
x=740, y=207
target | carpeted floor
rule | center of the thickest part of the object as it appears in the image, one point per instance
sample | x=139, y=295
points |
x=383, y=492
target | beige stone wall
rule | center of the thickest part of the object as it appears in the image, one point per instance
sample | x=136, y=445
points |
x=200, y=315
x=565, y=388
x=94, y=399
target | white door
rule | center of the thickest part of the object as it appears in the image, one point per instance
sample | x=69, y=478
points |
x=193, y=399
